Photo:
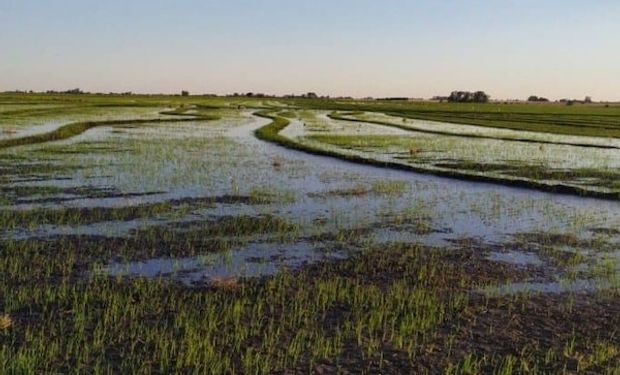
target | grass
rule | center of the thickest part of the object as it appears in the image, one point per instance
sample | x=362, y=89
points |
x=402, y=126
x=385, y=188
x=583, y=120
x=379, y=307
x=602, y=177
x=76, y=128
x=85, y=216
x=384, y=310
x=270, y=133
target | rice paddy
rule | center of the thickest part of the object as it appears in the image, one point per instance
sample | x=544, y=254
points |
x=169, y=234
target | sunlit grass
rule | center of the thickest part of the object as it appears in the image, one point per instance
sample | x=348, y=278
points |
x=168, y=190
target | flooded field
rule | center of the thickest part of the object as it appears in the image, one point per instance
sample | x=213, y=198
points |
x=166, y=234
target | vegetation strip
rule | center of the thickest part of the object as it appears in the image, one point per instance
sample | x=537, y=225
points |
x=77, y=128
x=270, y=133
x=335, y=116
x=551, y=119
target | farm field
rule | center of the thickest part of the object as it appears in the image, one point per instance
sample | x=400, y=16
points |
x=170, y=234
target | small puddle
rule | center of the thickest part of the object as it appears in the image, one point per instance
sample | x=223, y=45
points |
x=433, y=238
x=254, y=260
x=516, y=257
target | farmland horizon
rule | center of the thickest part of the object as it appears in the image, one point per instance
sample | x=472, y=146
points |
x=309, y=95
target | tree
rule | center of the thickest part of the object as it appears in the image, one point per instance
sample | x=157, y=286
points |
x=468, y=97
x=74, y=91
x=184, y=93
x=481, y=97
x=534, y=98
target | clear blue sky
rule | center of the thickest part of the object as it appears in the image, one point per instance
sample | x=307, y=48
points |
x=508, y=48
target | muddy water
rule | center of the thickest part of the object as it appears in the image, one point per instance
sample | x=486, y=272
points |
x=435, y=152
x=457, y=209
x=19, y=128
x=253, y=260
x=239, y=164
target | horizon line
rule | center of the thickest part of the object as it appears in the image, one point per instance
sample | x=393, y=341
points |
x=258, y=94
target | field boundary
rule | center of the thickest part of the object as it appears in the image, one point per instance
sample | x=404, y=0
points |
x=342, y=117
x=76, y=128
x=270, y=133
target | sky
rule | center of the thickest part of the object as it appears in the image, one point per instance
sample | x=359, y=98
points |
x=510, y=49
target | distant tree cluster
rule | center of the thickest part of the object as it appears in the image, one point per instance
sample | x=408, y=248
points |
x=252, y=95
x=395, y=98
x=468, y=97
x=72, y=91
x=586, y=100
x=534, y=98
x=308, y=95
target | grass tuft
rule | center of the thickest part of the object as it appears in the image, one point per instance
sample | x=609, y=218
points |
x=5, y=322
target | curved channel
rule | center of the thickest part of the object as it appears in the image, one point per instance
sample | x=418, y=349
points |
x=271, y=133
